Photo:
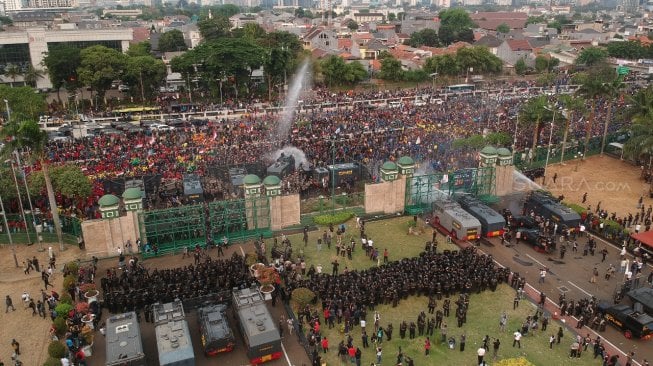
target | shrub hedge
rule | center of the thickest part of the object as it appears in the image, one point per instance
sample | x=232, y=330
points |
x=333, y=219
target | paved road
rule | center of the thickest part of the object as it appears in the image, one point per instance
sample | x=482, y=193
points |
x=572, y=275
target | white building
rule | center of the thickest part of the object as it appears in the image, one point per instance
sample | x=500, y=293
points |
x=37, y=40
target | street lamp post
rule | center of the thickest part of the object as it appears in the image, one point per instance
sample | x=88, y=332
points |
x=29, y=199
x=548, y=150
x=8, y=110
x=433, y=76
x=11, y=240
x=578, y=157
x=20, y=201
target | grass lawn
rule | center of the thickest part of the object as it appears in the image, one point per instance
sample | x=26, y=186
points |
x=482, y=318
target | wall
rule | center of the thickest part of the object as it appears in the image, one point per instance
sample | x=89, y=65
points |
x=504, y=180
x=284, y=211
x=386, y=197
x=102, y=238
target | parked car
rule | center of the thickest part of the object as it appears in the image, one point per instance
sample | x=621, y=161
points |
x=123, y=88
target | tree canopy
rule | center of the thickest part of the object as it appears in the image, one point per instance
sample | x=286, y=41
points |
x=171, y=41
x=455, y=26
x=100, y=66
x=591, y=56
x=23, y=102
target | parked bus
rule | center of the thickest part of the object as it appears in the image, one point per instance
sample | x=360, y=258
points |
x=172, y=335
x=543, y=204
x=259, y=331
x=459, y=223
x=492, y=223
x=461, y=88
x=123, y=340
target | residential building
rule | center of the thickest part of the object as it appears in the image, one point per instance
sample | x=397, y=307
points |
x=320, y=38
x=512, y=50
x=368, y=17
x=491, y=42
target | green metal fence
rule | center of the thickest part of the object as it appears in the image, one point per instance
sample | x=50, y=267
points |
x=240, y=219
x=71, y=228
x=173, y=228
x=573, y=150
x=422, y=190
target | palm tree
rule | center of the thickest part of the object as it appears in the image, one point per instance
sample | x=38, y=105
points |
x=575, y=107
x=592, y=87
x=641, y=104
x=12, y=71
x=28, y=135
x=533, y=113
x=32, y=76
x=612, y=91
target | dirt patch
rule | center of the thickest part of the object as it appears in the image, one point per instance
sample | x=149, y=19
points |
x=617, y=185
x=30, y=331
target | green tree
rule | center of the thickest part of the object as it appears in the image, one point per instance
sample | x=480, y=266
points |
x=392, y=17
x=28, y=135
x=499, y=139
x=535, y=20
x=253, y=31
x=532, y=114
x=352, y=25
x=144, y=74
x=7, y=185
x=354, y=73
x=641, y=104
x=391, y=69
x=520, y=67
x=171, y=41
x=143, y=48
x=62, y=62
x=333, y=68
x=213, y=29
x=640, y=144
x=23, y=102
x=425, y=37
x=443, y=65
x=593, y=85
x=99, y=67
x=591, y=56
x=630, y=50
x=503, y=28
x=68, y=180
x=455, y=25
x=478, y=58
x=612, y=90
x=575, y=108
x=545, y=63
x=12, y=71
x=32, y=76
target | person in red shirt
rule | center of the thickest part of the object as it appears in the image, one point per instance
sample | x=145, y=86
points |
x=427, y=346
x=325, y=345
x=352, y=354
x=316, y=327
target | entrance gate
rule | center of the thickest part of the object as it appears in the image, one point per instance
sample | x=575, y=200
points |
x=174, y=228
x=422, y=190
x=240, y=219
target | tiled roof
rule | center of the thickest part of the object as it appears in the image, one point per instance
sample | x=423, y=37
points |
x=519, y=45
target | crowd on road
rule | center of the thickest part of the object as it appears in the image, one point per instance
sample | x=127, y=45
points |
x=362, y=133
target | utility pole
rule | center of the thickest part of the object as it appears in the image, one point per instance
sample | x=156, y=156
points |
x=11, y=241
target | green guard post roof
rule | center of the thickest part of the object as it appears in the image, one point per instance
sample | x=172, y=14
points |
x=388, y=165
x=108, y=200
x=132, y=193
x=406, y=160
x=251, y=179
x=271, y=180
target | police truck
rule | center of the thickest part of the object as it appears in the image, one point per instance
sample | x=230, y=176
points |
x=260, y=334
x=457, y=222
x=172, y=335
x=215, y=332
x=124, y=346
x=492, y=223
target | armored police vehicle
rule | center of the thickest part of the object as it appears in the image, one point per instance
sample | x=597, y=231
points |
x=492, y=223
x=124, y=346
x=260, y=334
x=634, y=324
x=215, y=332
x=459, y=223
x=172, y=336
x=546, y=206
